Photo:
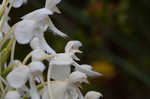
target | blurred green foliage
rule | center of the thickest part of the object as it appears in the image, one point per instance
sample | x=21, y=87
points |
x=115, y=32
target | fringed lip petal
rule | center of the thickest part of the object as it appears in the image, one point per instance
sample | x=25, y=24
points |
x=18, y=76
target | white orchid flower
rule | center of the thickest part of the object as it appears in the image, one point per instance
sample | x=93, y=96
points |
x=87, y=69
x=12, y=95
x=93, y=95
x=67, y=89
x=35, y=24
x=61, y=63
x=51, y=5
x=18, y=76
x=45, y=21
x=18, y=3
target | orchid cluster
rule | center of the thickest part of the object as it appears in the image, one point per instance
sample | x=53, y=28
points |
x=26, y=79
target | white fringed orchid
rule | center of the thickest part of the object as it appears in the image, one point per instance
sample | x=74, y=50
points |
x=42, y=15
x=35, y=24
x=18, y=76
x=62, y=61
x=51, y=5
x=93, y=95
x=67, y=89
x=87, y=69
x=12, y=95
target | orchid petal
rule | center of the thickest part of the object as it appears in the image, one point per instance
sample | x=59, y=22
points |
x=86, y=71
x=18, y=3
x=37, y=54
x=38, y=14
x=44, y=45
x=36, y=66
x=18, y=77
x=25, y=31
x=55, y=9
x=51, y=3
x=55, y=30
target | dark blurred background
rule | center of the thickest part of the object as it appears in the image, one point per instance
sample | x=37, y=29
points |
x=116, y=42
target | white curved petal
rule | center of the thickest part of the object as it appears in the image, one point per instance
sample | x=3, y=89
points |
x=38, y=14
x=86, y=66
x=36, y=66
x=25, y=31
x=86, y=70
x=18, y=3
x=18, y=76
x=60, y=72
x=55, y=30
x=44, y=45
x=93, y=95
x=51, y=3
x=12, y=95
x=55, y=9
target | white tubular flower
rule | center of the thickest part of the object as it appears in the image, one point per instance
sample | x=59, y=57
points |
x=87, y=69
x=18, y=3
x=12, y=95
x=61, y=62
x=93, y=95
x=51, y=5
x=18, y=76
